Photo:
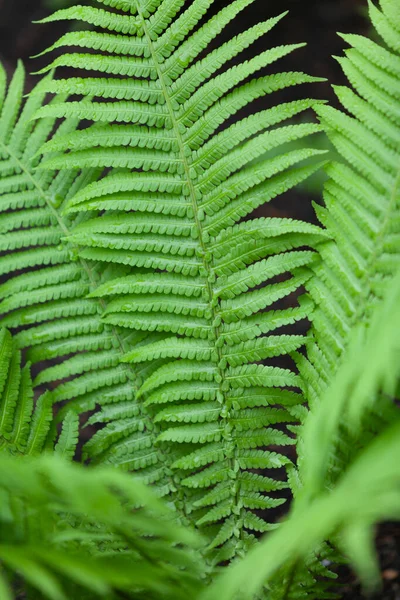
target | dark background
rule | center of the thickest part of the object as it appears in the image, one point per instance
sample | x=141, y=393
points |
x=313, y=21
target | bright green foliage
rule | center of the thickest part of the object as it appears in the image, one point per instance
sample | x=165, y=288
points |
x=26, y=427
x=174, y=205
x=142, y=288
x=76, y=533
x=362, y=198
x=62, y=561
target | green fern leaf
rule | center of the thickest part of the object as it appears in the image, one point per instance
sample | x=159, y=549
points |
x=362, y=198
x=173, y=206
x=43, y=296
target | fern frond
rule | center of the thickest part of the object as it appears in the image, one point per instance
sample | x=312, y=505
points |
x=362, y=198
x=173, y=206
x=43, y=297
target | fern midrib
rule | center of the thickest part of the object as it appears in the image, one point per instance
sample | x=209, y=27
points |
x=52, y=209
x=207, y=267
x=93, y=284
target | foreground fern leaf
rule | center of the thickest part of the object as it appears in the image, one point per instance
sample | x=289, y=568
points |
x=44, y=292
x=362, y=197
x=72, y=532
x=173, y=206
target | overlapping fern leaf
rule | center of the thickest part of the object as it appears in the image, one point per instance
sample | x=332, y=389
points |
x=205, y=281
x=45, y=285
x=362, y=196
x=26, y=425
x=366, y=490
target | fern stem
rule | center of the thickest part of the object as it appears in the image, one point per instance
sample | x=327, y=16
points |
x=208, y=278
